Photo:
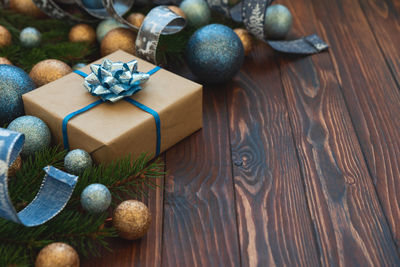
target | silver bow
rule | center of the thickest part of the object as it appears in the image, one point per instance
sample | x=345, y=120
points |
x=114, y=81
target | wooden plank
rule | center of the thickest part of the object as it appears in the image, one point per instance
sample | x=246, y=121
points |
x=371, y=95
x=144, y=252
x=350, y=224
x=199, y=212
x=384, y=18
x=274, y=221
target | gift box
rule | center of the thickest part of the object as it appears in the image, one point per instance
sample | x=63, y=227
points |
x=110, y=131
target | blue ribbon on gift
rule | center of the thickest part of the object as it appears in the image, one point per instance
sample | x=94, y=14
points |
x=53, y=195
x=113, y=82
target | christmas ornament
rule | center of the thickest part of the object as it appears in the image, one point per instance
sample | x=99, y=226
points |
x=82, y=33
x=177, y=11
x=105, y=26
x=95, y=198
x=278, y=22
x=132, y=219
x=77, y=161
x=26, y=7
x=215, y=53
x=5, y=61
x=136, y=19
x=30, y=37
x=57, y=255
x=16, y=165
x=14, y=82
x=93, y=4
x=197, y=12
x=78, y=66
x=37, y=134
x=246, y=40
x=5, y=37
x=119, y=38
x=49, y=70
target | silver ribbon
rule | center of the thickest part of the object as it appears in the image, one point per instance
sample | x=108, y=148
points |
x=114, y=81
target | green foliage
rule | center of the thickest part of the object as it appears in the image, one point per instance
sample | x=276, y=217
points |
x=54, y=45
x=126, y=178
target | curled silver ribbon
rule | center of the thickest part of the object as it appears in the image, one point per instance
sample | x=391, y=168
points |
x=111, y=8
x=115, y=81
x=53, y=195
x=252, y=14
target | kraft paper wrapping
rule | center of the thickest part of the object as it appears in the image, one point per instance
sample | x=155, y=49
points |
x=114, y=130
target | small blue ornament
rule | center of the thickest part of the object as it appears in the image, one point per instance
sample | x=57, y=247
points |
x=215, y=53
x=93, y=4
x=78, y=66
x=14, y=82
x=77, y=161
x=95, y=198
x=37, y=134
x=278, y=22
x=105, y=26
x=197, y=12
x=30, y=37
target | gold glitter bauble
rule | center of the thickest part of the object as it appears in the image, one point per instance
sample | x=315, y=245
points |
x=5, y=37
x=132, y=219
x=57, y=255
x=247, y=40
x=48, y=70
x=136, y=19
x=82, y=33
x=17, y=164
x=5, y=61
x=26, y=7
x=120, y=38
x=177, y=11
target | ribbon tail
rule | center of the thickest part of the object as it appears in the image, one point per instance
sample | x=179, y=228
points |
x=311, y=44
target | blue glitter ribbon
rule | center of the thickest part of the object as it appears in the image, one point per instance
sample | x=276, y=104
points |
x=113, y=82
x=53, y=195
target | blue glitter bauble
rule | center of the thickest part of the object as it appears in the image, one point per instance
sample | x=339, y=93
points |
x=105, y=26
x=96, y=198
x=77, y=161
x=278, y=22
x=30, y=37
x=215, y=53
x=37, y=134
x=197, y=12
x=93, y=4
x=78, y=66
x=14, y=82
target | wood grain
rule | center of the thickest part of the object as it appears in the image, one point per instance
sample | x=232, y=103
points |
x=384, y=18
x=144, y=252
x=199, y=213
x=371, y=94
x=274, y=222
x=350, y=224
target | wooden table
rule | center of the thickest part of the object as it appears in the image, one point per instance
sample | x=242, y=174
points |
x=298, y=162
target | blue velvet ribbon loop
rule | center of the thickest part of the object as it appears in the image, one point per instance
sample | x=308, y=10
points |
x=113, y=82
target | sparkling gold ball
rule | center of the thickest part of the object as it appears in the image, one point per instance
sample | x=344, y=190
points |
x=49, y=70
x=17, y=164
x=132, y=219
x=26, y=7
x=5, y=61
x=57, y=255
x=136, y=19
x=5, y=37
x=177, y=11
x=120, y=38
x=82, y=33
x=247, y=40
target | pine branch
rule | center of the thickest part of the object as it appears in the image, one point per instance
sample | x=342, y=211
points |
x=86, y=232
